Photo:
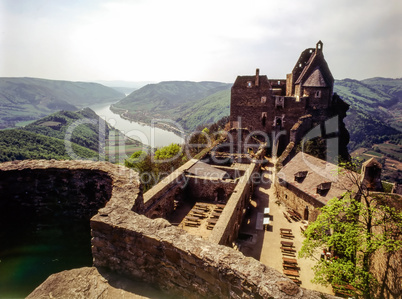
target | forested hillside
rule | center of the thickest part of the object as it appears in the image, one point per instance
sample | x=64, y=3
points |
x=166, y=99
x=58, y=124
x=16, y=144
x=23, y=99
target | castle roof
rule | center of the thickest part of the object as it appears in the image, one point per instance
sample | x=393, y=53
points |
x=322, y=180
x=312, y=67
x=242, y=82
x=316, y=79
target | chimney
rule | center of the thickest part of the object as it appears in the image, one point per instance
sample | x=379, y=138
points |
x=257, y=77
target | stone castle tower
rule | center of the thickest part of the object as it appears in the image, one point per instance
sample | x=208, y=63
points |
x=293, y=106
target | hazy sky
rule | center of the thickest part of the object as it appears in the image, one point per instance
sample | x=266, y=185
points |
x=159, y=40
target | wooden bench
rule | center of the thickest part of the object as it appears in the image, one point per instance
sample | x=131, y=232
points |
x=202, y=208
x=291, y=273
x=287, y=244
x=286, y=230
x=289, y=261
x=216, y=214
x=195, y=219
x=290, y=266
x=214, y=221
x=191, y=223
x=297, y=281
x=287, y=253
x=287, y=236
x=288, y=249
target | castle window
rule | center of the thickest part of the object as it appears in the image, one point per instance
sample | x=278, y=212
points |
x=249, y=84
x=278, y=122
x=263, y=99
x=323, y=188
x=300, y=64
x=300, y=176
x=318, y=94
x=279, y=82
x=263, y=118
x=279, y=102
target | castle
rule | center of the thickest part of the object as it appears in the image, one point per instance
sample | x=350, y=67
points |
x=288, y=109
x=130, y=231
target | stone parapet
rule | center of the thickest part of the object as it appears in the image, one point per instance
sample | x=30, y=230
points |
x=182, y=264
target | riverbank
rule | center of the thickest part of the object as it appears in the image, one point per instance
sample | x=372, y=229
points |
x=125, y=115
x=158, y=135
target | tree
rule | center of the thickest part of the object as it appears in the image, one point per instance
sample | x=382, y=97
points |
x=354, y=228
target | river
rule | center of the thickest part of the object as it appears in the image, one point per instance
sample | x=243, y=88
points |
x=153, y=136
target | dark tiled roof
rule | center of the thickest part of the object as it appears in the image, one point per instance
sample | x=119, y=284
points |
x=319, y=173
x=316, y=79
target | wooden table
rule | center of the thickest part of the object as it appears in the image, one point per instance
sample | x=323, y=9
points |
x=291, y=273
x=286, y=230
x=266, y=211
x=287, y=244
x=289, y=261
x=216, y=214
x=212, y=220
x=202, y=207
x=288, y=249
x=195, y=219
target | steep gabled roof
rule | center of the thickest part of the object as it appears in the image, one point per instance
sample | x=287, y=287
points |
x=316, y=79
x=315, y=61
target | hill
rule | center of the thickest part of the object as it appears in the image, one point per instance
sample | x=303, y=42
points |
x=164, y=99
x=374, y=115
x=16, y=144
x=58, y=124
x=24, y=99
x=380, y=98
x=205, y=111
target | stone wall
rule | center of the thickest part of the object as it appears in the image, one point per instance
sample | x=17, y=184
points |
x=138, y=247
x=207, y=189
x=73, y=189
x=227, y=228
x=298, y=200
x=159, y=200
x=182, y=264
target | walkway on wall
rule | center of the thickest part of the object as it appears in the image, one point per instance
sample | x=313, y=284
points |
x=264, y=245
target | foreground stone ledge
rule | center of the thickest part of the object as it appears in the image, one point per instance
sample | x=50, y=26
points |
x=181, y=264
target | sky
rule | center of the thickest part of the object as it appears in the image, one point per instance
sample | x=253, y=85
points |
x=209, y=40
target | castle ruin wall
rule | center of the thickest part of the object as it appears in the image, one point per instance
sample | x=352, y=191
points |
x=298, y=200
x=181, y=264
x=227, y=228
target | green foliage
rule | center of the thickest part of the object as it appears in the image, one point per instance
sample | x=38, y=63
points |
x=189, y=103
x=57, y=125
x=315, y=147
x=168, y=152
x=17, y=144
x=354, y=230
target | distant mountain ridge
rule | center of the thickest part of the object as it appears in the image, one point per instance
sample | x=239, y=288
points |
x=32, y=98
x=166, y=99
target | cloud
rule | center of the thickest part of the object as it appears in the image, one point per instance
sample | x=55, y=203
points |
x=196, y=40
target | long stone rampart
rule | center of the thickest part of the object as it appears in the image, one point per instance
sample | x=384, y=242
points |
x=159, y=200
x=181, y=264
x=228, y=225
